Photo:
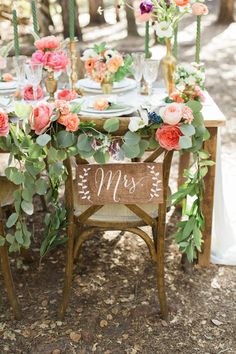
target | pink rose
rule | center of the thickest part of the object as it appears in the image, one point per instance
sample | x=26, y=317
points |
x=168, y=137
x=62, y=106
x=4, y=123
x=70, y=121
x=7, y=77
x=40, y=117
x=50, y=42
x=3, y=63
x=171, y=114
x=200, y=93
x=29, y=95
x=67, y=95
x=39, y=57
x=187, y=114
x=57, y=61
x=199, y=9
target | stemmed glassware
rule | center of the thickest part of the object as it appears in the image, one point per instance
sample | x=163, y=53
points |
x=19, y=63
x=150, y=72
x=34, y=74
x=137, y=67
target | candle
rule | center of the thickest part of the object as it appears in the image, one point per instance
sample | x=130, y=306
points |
x=175, y=48
x=198, y=40
x=72, y=20
x=147, y=54
x=34, y=14
x=16, y=38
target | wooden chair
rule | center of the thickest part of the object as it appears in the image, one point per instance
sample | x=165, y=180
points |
x=84, y=220
x=6, y=198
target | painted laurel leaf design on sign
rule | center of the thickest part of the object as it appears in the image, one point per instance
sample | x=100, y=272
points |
x=155, y=188
x=83, y=180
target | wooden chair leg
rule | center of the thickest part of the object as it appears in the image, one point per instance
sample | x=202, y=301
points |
x=8, y=280
x=160, y=236
x=68, y=272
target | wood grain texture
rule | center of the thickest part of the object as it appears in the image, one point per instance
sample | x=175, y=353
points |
x=208, y=202
x=129, y=183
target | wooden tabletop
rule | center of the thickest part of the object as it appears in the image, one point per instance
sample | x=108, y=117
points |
x=213, y=116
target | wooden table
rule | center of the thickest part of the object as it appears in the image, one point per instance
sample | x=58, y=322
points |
x=214, y=119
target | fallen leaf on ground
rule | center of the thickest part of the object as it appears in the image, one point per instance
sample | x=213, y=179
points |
x=75, y=337
x=216, y=322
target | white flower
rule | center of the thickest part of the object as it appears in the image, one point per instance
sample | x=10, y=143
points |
x=164, y=29
x=137, y=123
x=191, y=80
x=109, y=54
x=90, y=53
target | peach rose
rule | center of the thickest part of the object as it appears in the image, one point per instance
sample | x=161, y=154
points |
x=67, y=95
x=140, y=18
x=62, y=106
x=114, y=63
x=168, y=137
x=40, y=117
x=4, y=123
x=70, y=121
x=199, y=9
x=89, y=65
x=49, y=42
x=187, y=114
x=29, y=95
x=100, y=104
x=181, y=2
x=7, y=77
x=175, y=96
x=57, y=61
x=172, y=113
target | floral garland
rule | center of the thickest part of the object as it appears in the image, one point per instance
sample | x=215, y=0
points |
x=48, y=134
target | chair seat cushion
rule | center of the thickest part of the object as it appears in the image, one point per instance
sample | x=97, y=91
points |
x=114, y=212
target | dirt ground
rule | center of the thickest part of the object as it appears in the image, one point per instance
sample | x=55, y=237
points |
x=114, y=307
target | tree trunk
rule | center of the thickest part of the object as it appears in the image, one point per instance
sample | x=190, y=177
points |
x=131, y=23
x=95, y=17
x=226, y=14
x=66, y=19
x=45, y=18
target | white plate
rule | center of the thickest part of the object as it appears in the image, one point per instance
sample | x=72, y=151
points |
x=6, y=86
x=122, y=86
x=107, y=114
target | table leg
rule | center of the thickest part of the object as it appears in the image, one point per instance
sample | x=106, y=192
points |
x=208, y=202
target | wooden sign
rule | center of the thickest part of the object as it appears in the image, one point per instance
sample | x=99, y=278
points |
x=117, y=183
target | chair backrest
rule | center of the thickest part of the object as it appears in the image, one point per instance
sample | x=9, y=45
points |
x=127, y=183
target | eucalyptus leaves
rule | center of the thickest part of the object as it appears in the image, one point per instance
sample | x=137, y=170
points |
x=40, y=152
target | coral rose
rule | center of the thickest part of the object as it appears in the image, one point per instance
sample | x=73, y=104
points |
x=114, y=64
x=39, y=57
x=4, y=123
x=67, y=95
x=57, y=61
x=181, y=2
x=40, y=117
x=175, y=96
x=29, y=94
x=199, y=9
x=100, y=104
x=62, y=106
x=49, y=42
x=7, y=77
x=172, y=113
x=168, y=137
x=70, y=121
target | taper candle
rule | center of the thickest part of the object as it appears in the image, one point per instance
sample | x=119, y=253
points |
x=16, y=38
x=198, y=40
x=147, y=54
x=72, y=20
x=34, y=14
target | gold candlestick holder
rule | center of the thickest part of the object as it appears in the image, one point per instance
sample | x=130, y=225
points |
x=73, y=75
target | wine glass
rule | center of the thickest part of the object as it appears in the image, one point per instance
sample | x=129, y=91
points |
x=150, y=72
x=137, y=67
x=19, y=63
x=34, y=74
